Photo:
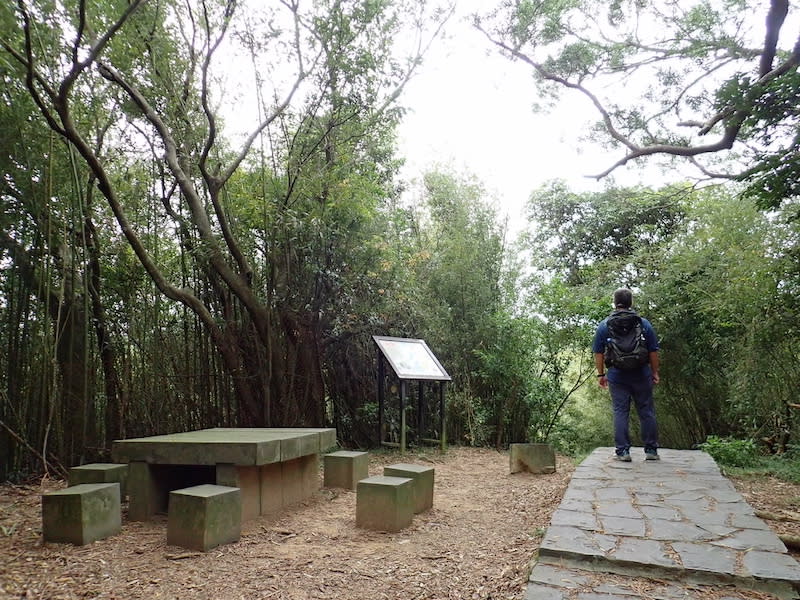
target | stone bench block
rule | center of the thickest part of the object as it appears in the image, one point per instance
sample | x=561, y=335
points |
x=384, y=503
x=344, y=469
x=204, y=516
x=422, y=477
x=533, y=458
x=81, y=514
x=101, y=473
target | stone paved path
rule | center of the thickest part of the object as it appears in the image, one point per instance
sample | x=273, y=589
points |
x=677, y=520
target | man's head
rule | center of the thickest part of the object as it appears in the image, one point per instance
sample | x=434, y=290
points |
x=623, y=298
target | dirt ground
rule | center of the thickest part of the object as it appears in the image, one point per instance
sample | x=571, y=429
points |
x=476, y=543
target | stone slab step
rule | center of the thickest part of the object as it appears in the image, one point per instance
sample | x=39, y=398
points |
x=568, y=581
x=674, y=518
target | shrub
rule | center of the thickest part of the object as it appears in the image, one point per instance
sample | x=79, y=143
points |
x=731, y=452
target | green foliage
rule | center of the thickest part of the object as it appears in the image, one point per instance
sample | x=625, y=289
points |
x=731, y=452
x=521, y=392
x=725, y=324
x=785, y=466
x=542, y=405
x=504, y=376
x=578, y=232
x=715, y=277
x=773, y=121
x=578, y=57
x=513, y=365
x=286, y=264
x=584, y=246
x=216, y=278
x=469, y=419
x=458, y=270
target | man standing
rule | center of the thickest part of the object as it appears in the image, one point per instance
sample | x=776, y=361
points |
x=626, y=357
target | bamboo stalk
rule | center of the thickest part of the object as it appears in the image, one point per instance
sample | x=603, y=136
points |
x=57, y=467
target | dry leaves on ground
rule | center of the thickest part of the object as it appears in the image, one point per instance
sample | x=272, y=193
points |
x=476, y=543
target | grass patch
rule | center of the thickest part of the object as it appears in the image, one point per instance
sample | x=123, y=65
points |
x=742, y=459
x=785, y=467
x=781, y=467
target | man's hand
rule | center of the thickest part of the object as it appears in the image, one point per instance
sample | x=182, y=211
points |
x=602, y=382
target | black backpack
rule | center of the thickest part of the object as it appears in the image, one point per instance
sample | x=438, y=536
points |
x=626, y=348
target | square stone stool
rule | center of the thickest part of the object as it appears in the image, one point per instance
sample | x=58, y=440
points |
x=384, y=503
x=344, y=469
x=534, y=458
x=203, y=517
x=101, y=473
x=422, y=486
x=81, y=514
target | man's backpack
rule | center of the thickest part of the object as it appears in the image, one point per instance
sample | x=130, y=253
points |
x=626, y=348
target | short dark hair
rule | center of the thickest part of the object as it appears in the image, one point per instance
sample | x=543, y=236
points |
x=623, y=298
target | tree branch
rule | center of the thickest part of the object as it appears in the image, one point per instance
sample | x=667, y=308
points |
x=547, y=75
x=213, y=183
x=53, y=466
x=238, y=285
x=32, y=77
x=79, y=66
x=732, y=116
x=711, y=174
x=275, y=112
x=58, y=118
x=778, y=9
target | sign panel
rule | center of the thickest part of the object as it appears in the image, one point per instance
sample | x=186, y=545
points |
x=411, y=359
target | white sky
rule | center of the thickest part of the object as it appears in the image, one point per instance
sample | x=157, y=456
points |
x=472, y=109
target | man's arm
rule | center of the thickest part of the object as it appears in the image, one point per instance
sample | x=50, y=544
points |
x=599, y=364
x=655, y=363
x=652, y=345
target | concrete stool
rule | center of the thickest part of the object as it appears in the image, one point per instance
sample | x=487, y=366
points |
x=204, y=516
x=384, y=503
x=81, y=514
x=534, y=458
x=344, y=469
x=101, y=473
x=422, y=486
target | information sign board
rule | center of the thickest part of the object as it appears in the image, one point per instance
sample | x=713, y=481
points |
x=411, y=359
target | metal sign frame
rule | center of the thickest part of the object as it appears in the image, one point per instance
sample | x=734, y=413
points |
x=410, y=360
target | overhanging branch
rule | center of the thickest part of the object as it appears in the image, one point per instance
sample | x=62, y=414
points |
x=732, y=116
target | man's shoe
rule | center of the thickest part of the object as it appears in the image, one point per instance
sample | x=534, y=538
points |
x=624, y=457
x=651, y=455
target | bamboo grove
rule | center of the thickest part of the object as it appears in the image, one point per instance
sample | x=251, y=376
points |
x=166, y=277
x=203, y=223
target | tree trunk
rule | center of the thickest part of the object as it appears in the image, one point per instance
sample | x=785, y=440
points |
x=71, y=354
x=114, y=409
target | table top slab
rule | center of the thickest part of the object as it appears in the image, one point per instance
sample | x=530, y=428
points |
x=223, y=445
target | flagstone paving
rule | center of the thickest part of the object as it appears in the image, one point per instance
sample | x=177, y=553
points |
x=677, y=521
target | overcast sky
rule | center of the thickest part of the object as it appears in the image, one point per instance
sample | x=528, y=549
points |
x=473, y=109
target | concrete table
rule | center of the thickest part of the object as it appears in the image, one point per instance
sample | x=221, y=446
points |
x=273, y=467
